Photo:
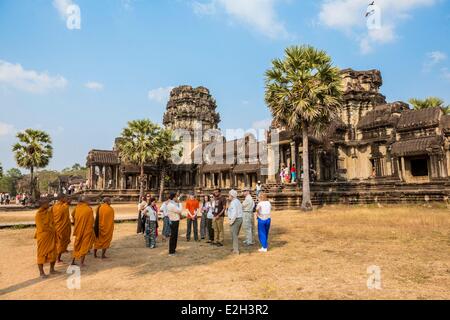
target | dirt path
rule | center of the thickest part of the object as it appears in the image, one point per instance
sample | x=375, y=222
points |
x=322, y=255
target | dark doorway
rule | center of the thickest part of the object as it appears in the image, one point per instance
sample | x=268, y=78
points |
x=419, y=167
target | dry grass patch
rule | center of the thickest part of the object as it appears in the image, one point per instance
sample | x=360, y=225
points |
x=319, y=255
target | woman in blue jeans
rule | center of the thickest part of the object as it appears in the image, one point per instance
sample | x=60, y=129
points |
x=263, y=211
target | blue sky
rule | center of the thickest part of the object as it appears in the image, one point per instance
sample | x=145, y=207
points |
x=83, y=85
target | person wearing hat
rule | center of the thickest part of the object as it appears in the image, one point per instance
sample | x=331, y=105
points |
x=46, y=237
x=248, y=219
x=235, y=219
x=258, y=189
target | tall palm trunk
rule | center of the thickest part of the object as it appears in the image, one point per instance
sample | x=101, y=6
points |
x=297, y=164
x=306, y=193
x=32, y=188
x=141, y=190
x=161, y=183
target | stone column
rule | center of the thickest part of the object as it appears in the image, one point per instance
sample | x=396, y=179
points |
x=91, y=177
x=403, y=169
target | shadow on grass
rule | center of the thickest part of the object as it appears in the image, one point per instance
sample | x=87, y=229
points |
x=129, y=251
x=132, y=253
x=30, y=282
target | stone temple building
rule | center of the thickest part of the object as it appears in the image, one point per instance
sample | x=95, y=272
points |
x=374, y=151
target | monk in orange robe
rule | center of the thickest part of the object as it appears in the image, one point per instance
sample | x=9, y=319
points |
x=104, y=227
x=63, y=228
x=83, y=230
x=46, y=237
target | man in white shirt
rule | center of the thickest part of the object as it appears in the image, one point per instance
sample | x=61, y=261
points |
x=248, y=219
x=235, y=219
x=174, y=214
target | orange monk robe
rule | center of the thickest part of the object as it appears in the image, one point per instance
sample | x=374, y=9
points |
x=83, y=230
x=63, y=228
x=45, y=236
x=105, y=227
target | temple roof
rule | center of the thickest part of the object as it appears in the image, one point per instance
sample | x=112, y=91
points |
x=416, y=119
x=416, y=146
x=216, y=167
x=382, y=116
x=445, y=124
x=246, y=167
x=107, y=157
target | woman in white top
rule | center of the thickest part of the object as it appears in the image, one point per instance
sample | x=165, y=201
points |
x=263, y=212
x=206, y=222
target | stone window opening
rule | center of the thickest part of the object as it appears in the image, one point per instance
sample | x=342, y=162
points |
x=419, y=167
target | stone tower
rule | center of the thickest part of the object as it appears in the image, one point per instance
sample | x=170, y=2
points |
x=188, y=107
x=361, y=94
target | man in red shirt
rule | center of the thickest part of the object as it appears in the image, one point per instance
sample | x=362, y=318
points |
x=192, y=206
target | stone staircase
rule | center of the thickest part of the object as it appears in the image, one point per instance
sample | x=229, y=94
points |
x=368, y=192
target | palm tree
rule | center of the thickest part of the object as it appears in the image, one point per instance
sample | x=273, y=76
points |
x=166, y=143
x=34, y=150
x=303, y=92
x=138, y=145
x=430, y=102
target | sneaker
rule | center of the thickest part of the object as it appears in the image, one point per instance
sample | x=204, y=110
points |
x=262, y=250
x=171, y=254
x=219, y=244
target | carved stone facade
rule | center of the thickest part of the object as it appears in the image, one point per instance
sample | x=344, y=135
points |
x=373, y=150
x=376, y=141
x=188, y=106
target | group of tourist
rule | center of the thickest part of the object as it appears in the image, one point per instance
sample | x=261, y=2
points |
x=288, y=174
x=211, y=210
x=54, y=230
x=20, y=198
x=54, y=224
x=5, y=198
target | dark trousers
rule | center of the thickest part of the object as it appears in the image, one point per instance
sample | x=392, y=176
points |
x=209, y=227
x=140, y=224
x=173, y=236
x=194, y=225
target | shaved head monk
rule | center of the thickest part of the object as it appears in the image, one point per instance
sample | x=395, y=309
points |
x=63, y=228
x=46, y=237
x=104, y=227
x=83, y=230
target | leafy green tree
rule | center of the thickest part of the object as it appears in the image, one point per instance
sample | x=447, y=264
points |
x=167, y=144
x=1, y=170
x=430, y=102
x=34, y=150
x=138, y=145
x=303, y=93
x=8, y=183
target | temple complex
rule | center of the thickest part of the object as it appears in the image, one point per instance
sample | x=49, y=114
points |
x=374, y=151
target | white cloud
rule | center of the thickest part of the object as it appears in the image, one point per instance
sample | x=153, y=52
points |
x=61, y=6
x=349, y=17
x=6, y=129
x=208, y=8
x=15, y=76
x=433, y=59
x=259, y=15
x=127, y=4
x=96, y=86
x=160, y=95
